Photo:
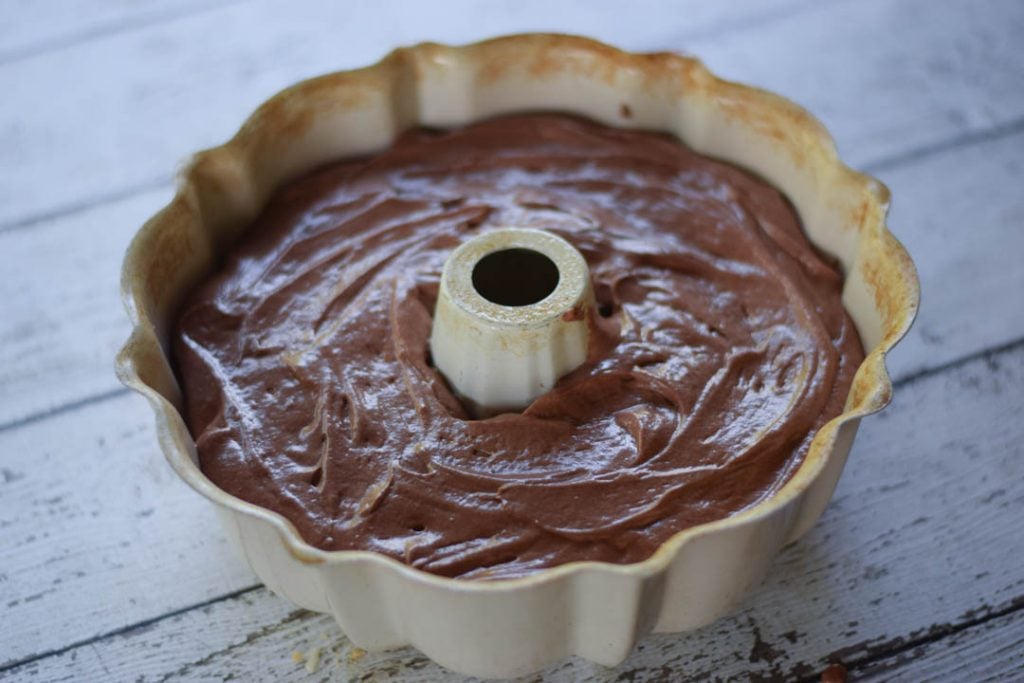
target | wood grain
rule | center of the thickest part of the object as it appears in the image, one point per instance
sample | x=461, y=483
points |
x=959, y=212
x=918, y=516
x=63, y=320
x=889, y=79
x=991, y=651
x=129, y=108
x=97, y=532
x=133, y=107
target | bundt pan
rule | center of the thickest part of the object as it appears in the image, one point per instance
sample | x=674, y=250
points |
x=594, y=610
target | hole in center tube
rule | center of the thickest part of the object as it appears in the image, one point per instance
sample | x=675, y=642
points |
x=515, y=277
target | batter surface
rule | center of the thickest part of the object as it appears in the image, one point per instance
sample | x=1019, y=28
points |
x=718, y=347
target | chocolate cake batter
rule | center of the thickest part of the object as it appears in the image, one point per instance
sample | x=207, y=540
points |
x=718, y=347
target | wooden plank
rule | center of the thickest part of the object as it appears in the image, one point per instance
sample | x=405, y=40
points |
x=97, y=532
x=57, y=342
x=130, y=107
x=30, y=27
x=991, y=651
x=928, y=505
x=171, y=645
x=888, y=77
x=62, y=319
x=959, y=213
x=134, y=105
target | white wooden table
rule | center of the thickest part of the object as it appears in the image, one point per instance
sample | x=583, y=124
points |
x=111, y=569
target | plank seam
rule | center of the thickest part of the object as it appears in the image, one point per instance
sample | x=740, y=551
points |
x=898, y=645
x=893, y=162
x=250, y=638
x=164, y=182
x=876, y=653
x=911, y=156
x=987, y=354
x=126, y=630
x=63, y=409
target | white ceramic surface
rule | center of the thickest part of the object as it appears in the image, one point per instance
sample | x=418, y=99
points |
x=595, y=610
x=499, y=356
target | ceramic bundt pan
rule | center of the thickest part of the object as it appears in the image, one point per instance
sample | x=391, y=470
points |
x=595, y=610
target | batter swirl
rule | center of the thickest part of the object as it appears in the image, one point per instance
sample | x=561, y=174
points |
x=719, y=347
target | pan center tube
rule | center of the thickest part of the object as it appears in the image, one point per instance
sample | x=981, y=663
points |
x=511, y=318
